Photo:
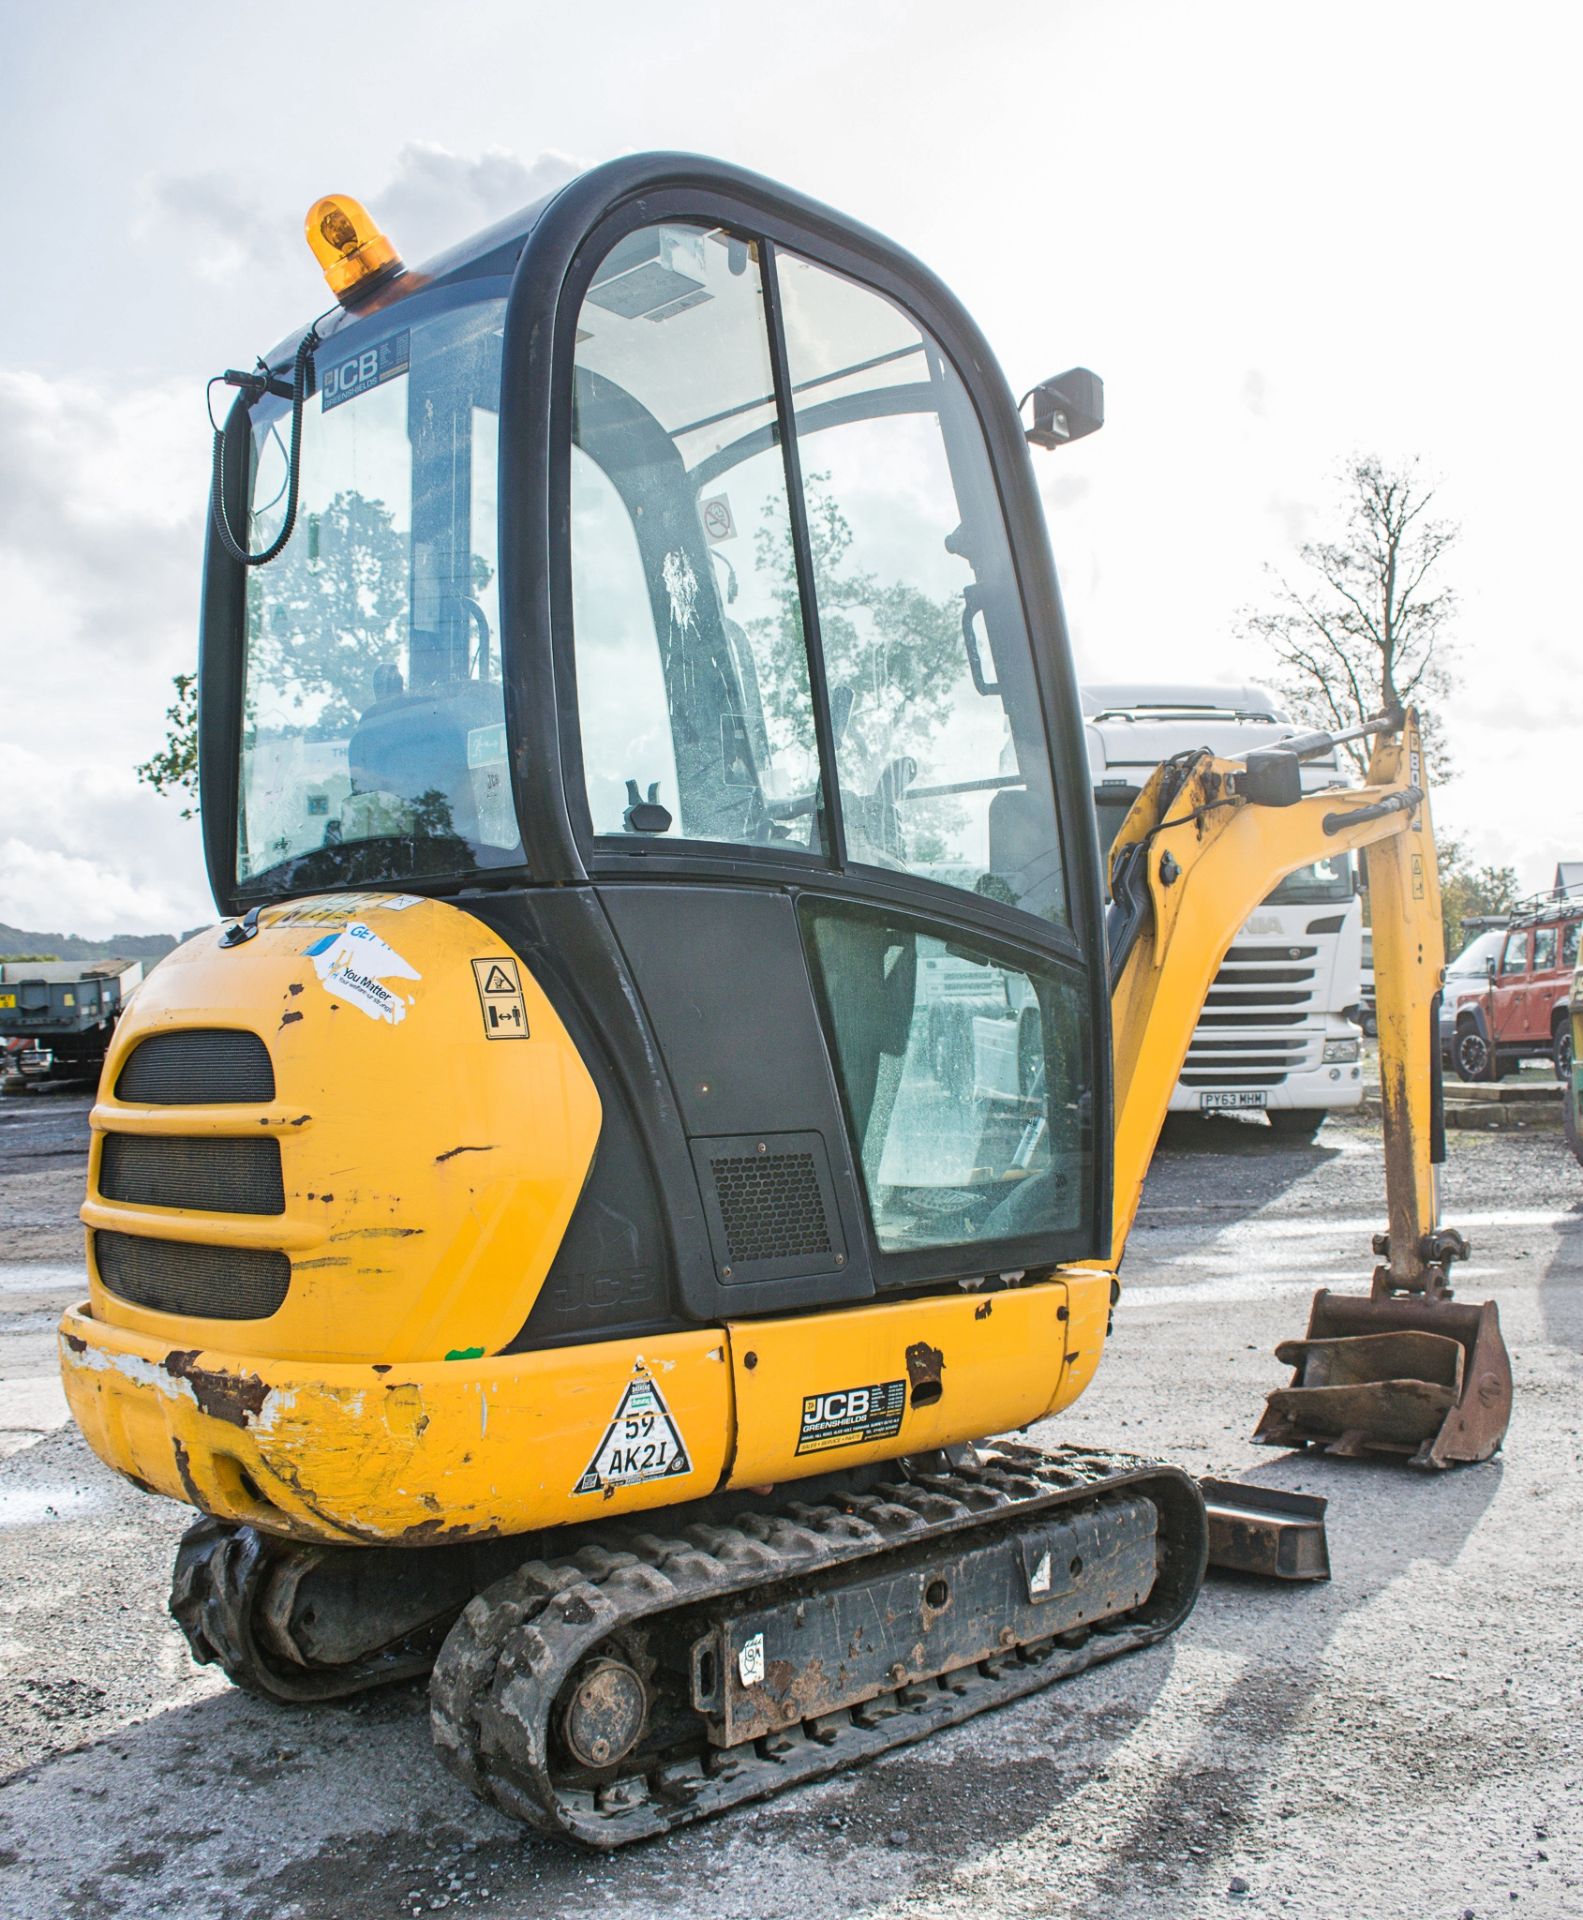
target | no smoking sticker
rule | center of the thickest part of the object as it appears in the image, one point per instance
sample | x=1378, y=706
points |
x=719, y=521
x=500, y=996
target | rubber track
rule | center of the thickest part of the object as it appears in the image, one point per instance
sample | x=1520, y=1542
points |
x=222, y=1577
x=505, y=1661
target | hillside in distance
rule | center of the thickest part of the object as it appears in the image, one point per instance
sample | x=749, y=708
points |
x=70, y=946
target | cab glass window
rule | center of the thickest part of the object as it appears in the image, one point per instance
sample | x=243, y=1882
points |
x=1514, y=959
x=940, y=748
x=692, y=670
x=965, y=1080
x=373, y=725
x=1569, y=944
x=1544, y=948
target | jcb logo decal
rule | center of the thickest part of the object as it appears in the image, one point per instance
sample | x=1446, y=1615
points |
x=374, y=365
x=851, y=1415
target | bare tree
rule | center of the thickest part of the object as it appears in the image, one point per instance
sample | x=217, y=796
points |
x=1363, y=626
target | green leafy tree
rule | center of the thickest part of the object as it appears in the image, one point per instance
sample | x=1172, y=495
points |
x=1362, y=623
x=320, y=620
x=174, y=769
x=1467, y=890
x=892, y=657
x=325, y=616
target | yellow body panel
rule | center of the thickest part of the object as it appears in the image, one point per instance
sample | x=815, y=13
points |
x=429, y=1169
x=961, y=1366
x=410, y=1454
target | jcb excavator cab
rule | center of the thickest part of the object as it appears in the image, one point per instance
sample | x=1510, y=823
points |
x=662, y=588
x=662, y=1054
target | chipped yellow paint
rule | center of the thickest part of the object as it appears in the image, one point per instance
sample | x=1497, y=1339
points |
x=446, y=1450
x=429, y=1172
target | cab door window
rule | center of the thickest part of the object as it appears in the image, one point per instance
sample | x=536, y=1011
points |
x=1544, y=949
x=693, y=691
x=1569, y=945
x=940, y=750
x=966, y=1081
x=1514, y=956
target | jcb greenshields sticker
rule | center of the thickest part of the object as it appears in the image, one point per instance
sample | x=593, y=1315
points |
x=852, y=1416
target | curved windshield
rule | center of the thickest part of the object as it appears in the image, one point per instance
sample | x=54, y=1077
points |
x=373, y=727
x=1477, y=954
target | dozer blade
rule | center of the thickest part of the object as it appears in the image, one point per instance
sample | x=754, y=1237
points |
x=1421, y=1377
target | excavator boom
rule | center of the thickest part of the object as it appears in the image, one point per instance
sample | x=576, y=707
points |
x=1405, y=1370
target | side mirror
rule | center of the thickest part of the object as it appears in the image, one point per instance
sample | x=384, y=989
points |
x=1067, y=406
x=1489, y=968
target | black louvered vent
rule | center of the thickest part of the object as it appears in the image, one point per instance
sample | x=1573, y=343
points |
x=210, y=1176
x=770, y=1206
x=211, y=1283
x=206, y=1067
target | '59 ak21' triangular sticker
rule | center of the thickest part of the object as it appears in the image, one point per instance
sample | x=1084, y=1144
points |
x=641, y=1443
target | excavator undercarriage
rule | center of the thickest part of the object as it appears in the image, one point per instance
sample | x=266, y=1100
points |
x=629, y=1681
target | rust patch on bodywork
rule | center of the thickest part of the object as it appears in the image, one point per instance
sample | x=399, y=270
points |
x=184, y=1468
x=435, y=1533
x=287, y=1018
x=451, y=1152
x=232, y=1397
x=925, y=1364
x=983, y=1312
x=76, y=1342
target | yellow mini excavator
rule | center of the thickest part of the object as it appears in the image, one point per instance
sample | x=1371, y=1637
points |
x=666, y=1090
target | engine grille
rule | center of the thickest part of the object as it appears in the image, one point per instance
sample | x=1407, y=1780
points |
x=210, y=1175
x=770, y=1205
x=1223, y=1060
x=203, y=1067
x=214, y=1283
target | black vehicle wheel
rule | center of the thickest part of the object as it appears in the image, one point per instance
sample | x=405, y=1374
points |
x=1297, y=1123
x=1561, y=1049
x=1472, y=1055
x=1371, y=1024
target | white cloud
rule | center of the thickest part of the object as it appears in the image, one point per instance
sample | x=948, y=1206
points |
x=233, y=228
x=438, y=198
x=85, y=850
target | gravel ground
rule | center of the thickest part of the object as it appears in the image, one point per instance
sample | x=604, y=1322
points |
x=1402, y=1744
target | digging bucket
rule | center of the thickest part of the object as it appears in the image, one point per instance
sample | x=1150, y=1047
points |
x=1416, y=1377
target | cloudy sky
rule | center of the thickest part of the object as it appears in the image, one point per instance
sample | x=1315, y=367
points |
x=1283, y=234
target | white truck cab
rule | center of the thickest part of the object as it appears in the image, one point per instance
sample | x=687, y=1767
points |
x=1274, y=1035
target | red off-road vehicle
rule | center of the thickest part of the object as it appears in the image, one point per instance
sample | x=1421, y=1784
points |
x=1522, y=1010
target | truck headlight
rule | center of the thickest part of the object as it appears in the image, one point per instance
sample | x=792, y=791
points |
x=1340, y=1052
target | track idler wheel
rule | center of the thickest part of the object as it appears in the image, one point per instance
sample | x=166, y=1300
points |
x=298, y=1623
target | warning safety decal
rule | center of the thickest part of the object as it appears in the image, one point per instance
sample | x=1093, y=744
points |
x=641, y=1443
x=500, y=997
x=852, y=1416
